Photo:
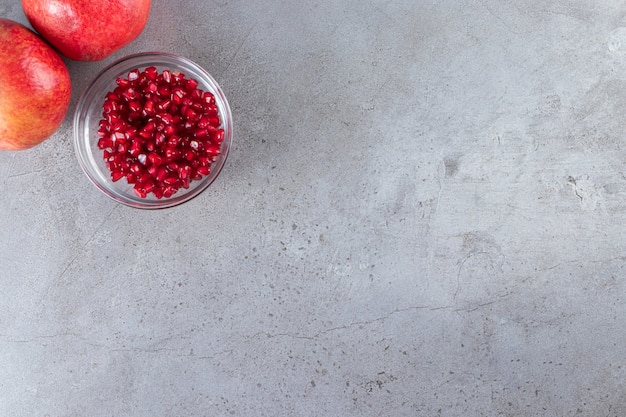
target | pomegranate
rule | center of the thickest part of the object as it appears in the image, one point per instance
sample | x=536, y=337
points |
x=35, y=88
x=159, y=131
x=87, y=30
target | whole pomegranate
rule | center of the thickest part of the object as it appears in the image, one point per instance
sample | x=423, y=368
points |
x=35, y=88
x=87, y=30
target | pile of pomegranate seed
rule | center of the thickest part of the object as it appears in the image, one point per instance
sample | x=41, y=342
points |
x=159, y=131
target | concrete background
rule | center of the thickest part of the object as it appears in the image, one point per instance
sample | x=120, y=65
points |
x=421, y=215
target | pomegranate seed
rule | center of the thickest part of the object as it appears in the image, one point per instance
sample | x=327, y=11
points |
x=212, y=150
x=130, y=133
x=203, y=170
x=168, y=191
x=129, y=94
x=122, y=147
x=148, y=129
x=201, y=133
x=122, y=82
x=173, y=141
x=184, y=172
x=135, y=149
x=198, y=107
x=184, y=108
x=140, y=192
x=212, y=130
x=164, y=91
x=219, y=136
x=204, y=122
x=211, y=111
x=191, y=84
x=190, y=114
x=160, y=139
x=172, y=153
x=107, y=107
x=133, y=75
x=152, y=88
x=151, y=73
x=208, y=98
x=148, y=109
x=166, y=118
x=169, y=130
x=170, y=180
x=154, y=159
x=104, y=143
x=116, y=176
x=118, y=126
x=135, y=168
x=177, y=95
x=164, y=105
x=132, y=117
x=162, y=173
x=190, y=155
x=178, y=76
x=144, y=178
x=196, y=95
x=147, y=186
x=112, y=119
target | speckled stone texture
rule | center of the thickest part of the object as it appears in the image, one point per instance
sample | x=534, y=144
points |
x=421, y=215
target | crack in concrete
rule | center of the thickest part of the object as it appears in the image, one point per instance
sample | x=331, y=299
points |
x=23, y=174
x=572, y=181
x=35, y=339
x=451, y=308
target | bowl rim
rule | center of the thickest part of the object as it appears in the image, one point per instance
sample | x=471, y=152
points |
x=82, y=142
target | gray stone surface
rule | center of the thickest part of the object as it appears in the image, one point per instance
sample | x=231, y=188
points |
x=421, y=215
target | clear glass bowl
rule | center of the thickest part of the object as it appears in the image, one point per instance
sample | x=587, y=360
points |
x=89, y=113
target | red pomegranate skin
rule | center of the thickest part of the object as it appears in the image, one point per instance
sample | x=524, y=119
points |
x=87, y=30
x=35, y=88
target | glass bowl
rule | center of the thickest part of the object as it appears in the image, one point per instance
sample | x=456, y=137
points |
x=89, y=113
